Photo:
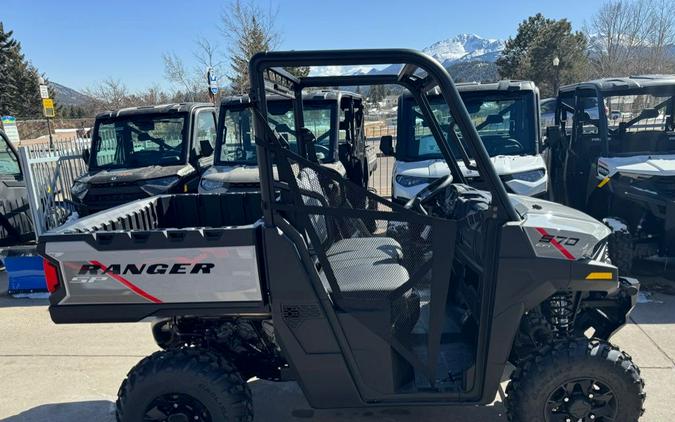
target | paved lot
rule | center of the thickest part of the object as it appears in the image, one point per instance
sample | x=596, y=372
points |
x=71, y=373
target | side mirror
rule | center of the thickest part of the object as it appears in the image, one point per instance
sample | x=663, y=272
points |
x=387, y=145
x=205, y=148
x=86, y=156
x=553, y=136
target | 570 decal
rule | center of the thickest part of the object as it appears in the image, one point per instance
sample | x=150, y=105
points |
x=562, y=240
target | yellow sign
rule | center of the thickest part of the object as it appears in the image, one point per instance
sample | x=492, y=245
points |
x=48, y=107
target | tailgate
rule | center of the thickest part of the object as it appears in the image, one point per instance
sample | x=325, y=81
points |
x=130, y=276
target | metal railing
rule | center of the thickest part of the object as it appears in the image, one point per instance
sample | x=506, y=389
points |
x=49, y=174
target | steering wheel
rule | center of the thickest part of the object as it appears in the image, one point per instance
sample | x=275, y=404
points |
x=427, y=194
x=513, y=143
x=239, y=153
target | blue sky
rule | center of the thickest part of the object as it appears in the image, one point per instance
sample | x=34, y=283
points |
x=77, y=42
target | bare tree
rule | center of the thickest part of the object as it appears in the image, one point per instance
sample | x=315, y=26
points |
x=176, y=73
x=109, y=94
x=631, y=36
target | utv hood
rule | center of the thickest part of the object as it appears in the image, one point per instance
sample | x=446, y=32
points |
x=643, y=165
x=113, y=176
x=557, y=231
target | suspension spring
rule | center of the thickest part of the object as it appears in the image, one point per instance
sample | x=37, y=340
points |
x=561, y=312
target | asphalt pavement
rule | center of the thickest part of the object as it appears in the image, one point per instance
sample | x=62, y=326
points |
x=65, y=373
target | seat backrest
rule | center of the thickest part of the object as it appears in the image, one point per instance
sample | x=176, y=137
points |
x=308, y=182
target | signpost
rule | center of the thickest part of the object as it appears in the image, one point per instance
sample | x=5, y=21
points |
x=44, y=92
x=213, y=84
x=47, y=108
x=9, y=125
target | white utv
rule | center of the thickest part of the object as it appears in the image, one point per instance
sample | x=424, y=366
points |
x=506, y=115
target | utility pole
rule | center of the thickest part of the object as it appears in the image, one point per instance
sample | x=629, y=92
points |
x=47, y=108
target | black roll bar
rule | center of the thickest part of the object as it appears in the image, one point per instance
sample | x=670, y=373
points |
x=411, y=60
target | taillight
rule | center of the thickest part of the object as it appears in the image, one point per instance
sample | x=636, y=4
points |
x=51, y=275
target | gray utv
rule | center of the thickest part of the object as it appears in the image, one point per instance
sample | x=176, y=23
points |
x=453, y=292
x=613, y=156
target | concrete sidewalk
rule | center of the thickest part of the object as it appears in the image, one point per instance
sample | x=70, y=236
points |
x=71, y=373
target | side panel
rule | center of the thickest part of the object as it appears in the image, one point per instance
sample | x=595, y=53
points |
x=180, y=275
x=126, y=277
x=304, y=325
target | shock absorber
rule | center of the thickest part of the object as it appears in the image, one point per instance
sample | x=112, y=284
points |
x=561, y=311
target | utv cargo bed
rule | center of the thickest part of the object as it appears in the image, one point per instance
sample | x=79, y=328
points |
x=157, y=257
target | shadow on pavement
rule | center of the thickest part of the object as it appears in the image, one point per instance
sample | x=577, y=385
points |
x=98, y=410
x=278, y=402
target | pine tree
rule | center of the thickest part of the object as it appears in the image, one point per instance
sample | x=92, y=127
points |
x=19, y=86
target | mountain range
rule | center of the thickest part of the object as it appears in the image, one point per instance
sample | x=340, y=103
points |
x=68, y=96
x=463, y=48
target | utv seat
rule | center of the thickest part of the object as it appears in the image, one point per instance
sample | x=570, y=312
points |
x=367, y=270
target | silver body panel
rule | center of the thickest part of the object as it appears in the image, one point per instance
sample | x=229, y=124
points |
x=181, y=275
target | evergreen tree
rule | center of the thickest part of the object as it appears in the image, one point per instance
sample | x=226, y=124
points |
x=530, y=54
x=19, y=86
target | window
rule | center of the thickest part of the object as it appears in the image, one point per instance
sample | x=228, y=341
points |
x=503, y=123
x=9, y=164
x=205, y=127
x=140, y=141
x=238, y=144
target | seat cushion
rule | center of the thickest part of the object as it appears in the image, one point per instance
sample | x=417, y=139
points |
x=365, y=248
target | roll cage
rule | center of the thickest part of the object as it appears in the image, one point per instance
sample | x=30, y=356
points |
x=419, y=74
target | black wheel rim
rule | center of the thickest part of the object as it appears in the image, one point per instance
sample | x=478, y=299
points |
x=176, y=407
x=582, y=400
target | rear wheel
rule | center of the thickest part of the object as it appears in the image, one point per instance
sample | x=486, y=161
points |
x=577, y=380
x=184, y=385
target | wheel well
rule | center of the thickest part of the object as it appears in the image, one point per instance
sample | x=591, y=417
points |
x=248, y=344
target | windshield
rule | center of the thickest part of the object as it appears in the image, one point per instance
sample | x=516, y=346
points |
x=505, y=123
x=635, y=113
x=140, y=141
x=237, y=146
x=9, y=166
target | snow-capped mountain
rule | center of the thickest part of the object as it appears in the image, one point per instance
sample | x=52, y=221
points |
x=465, y=47
x=462, y=48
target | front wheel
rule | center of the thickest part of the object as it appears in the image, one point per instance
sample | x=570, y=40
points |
x=577, y=380
x=184, y=385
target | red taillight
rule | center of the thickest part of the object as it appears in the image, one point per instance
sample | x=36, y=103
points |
x=51, y=275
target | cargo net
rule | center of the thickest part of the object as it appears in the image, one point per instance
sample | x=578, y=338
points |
x=376, y=259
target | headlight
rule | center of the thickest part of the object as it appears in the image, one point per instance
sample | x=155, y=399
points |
x=78, y=189
x=530, y=176
x=157, y=186
x=409, y=181
x=209, y=184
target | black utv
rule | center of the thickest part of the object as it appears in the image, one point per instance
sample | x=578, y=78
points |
x=144, y=151
x=453, y=290
x=613, y=156
x=15, y=222
x=333, y=135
